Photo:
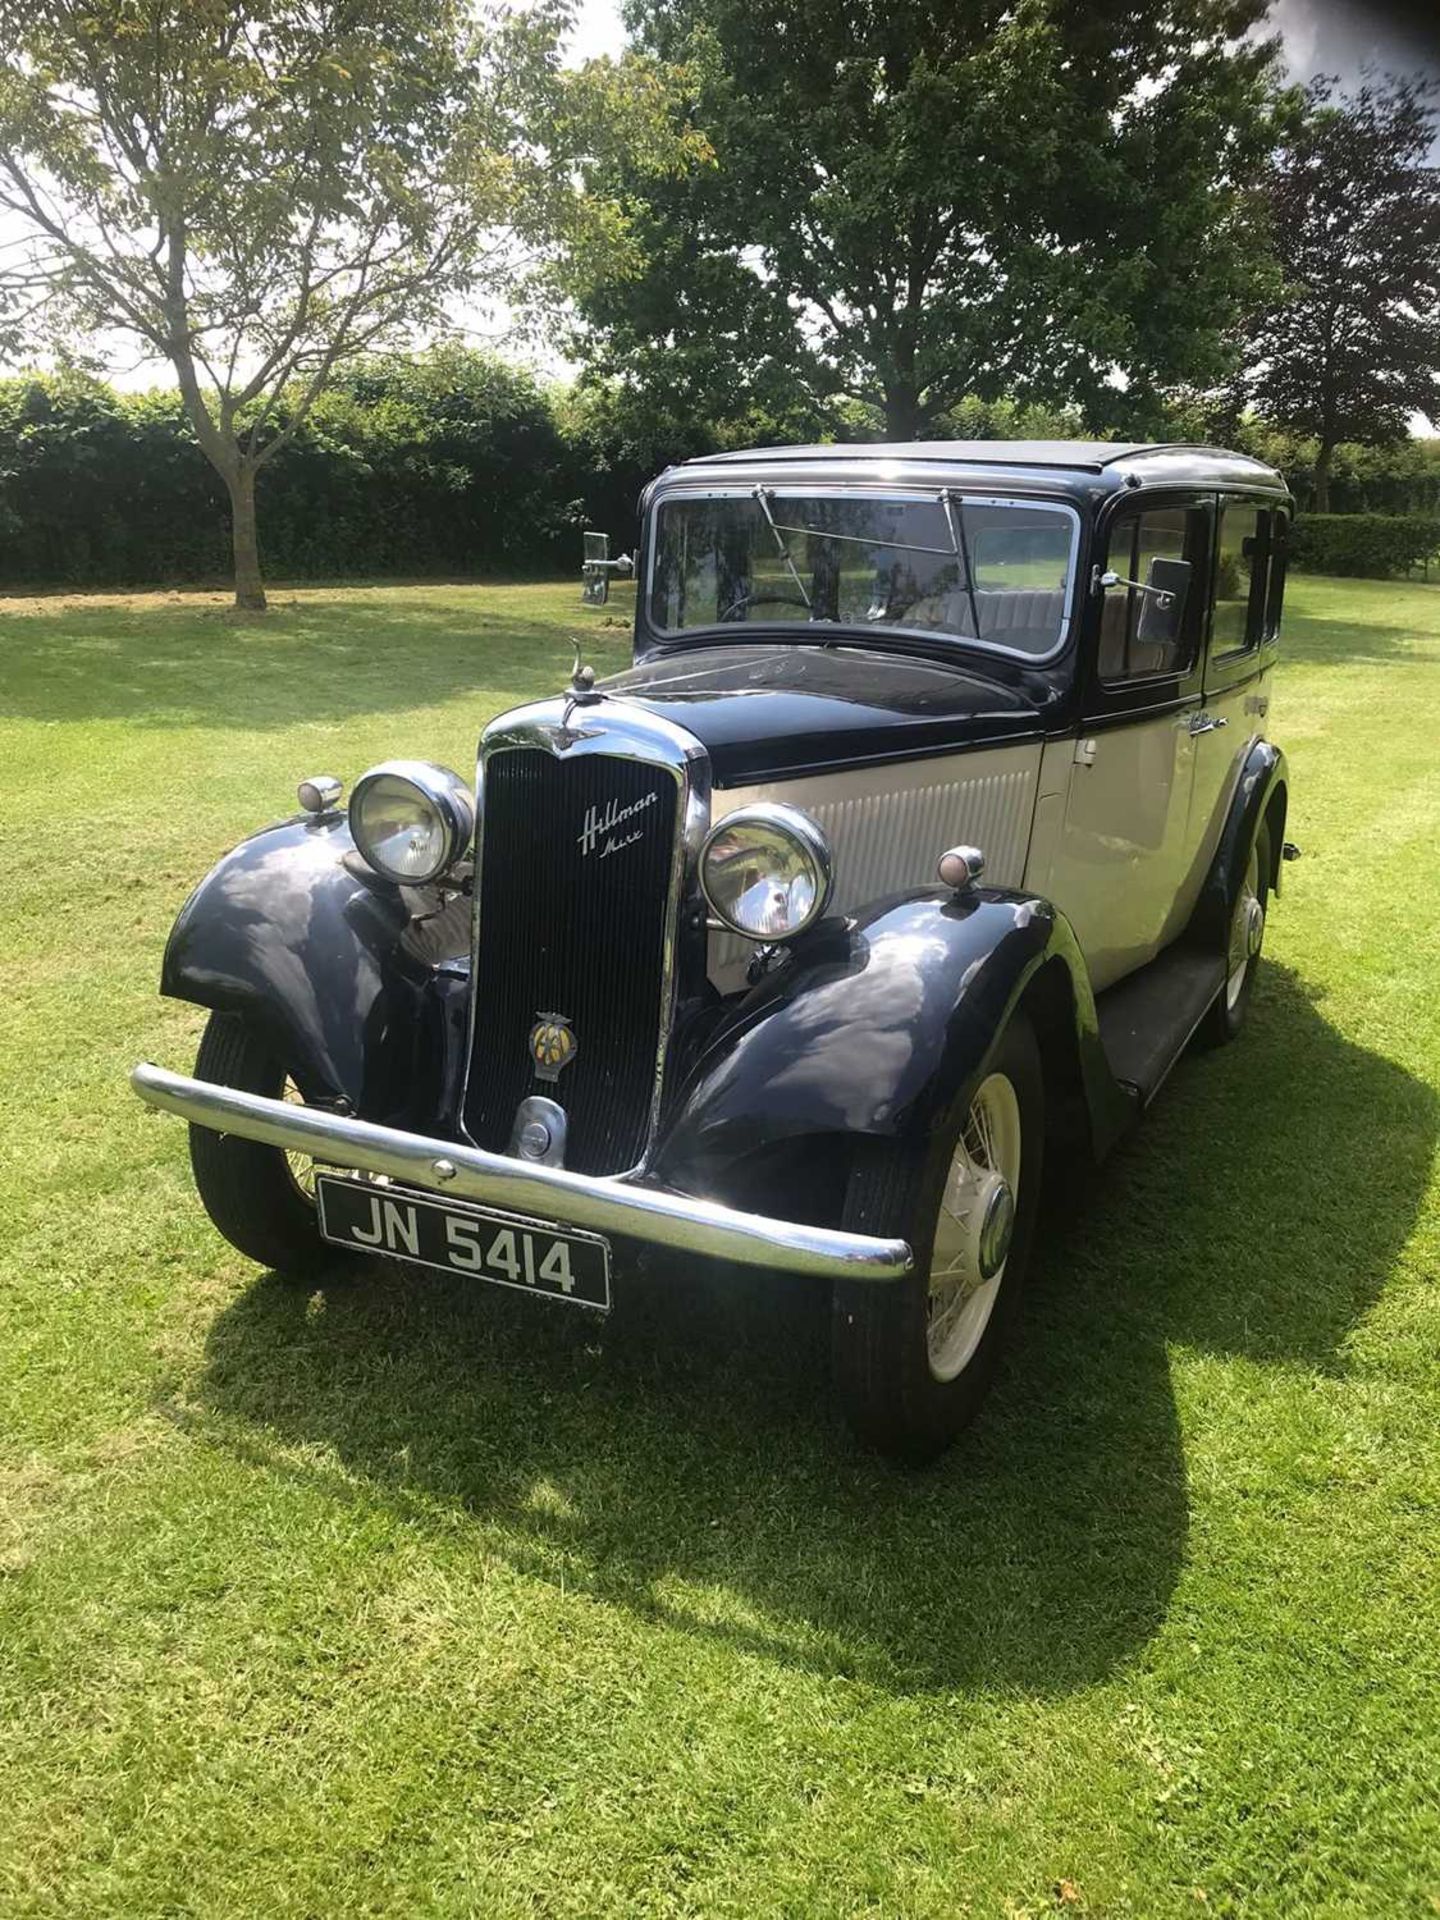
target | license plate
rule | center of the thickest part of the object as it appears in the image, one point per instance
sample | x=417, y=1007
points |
x=501, y=1248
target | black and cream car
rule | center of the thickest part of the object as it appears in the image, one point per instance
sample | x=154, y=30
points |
x=935, y=816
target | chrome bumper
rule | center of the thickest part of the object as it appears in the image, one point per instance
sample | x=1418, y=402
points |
x=672, y=1220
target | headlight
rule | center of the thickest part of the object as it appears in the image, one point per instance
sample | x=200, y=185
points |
x=411, y=820
x=766, y=871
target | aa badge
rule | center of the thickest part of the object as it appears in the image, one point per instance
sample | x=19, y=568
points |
x=552, y=1045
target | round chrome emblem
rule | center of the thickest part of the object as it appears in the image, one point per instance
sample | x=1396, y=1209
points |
x=996, y=1229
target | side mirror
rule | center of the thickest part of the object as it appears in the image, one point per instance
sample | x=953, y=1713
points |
x=599, y=567
x=1162, y=605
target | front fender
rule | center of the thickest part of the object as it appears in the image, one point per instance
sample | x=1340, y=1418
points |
x=325, y=961
x=880, y=1026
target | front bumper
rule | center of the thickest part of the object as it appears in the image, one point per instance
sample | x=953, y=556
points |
x=675, y=1221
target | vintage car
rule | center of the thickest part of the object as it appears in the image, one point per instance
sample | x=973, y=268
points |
x=935, y=816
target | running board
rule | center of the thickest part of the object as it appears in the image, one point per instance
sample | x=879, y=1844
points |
x=1147, y=1018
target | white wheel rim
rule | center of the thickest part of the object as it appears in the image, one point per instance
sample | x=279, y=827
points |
x=986, y=1164
x=1247, y=930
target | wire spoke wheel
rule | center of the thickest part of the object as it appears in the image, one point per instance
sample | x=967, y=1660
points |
x=977, y=1213
x=300, y=1166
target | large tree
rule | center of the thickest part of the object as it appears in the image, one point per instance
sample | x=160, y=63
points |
x=914, y=203
x=1351, y=348
x=260, y=193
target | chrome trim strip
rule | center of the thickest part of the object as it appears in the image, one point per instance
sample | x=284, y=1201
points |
x=672, y=1220
x=612, y=727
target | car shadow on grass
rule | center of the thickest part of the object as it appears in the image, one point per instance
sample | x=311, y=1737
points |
x=682, y=1461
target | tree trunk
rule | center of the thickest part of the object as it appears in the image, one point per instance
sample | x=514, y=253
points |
x=245, y=538
x=1322, y=476
x=905, y=418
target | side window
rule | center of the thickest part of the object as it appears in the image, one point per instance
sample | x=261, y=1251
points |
x=1141, y=545
x=1240, y=576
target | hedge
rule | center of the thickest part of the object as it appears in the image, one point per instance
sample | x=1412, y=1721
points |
x=1375, y=545
x=448, y=464
x=443, y=464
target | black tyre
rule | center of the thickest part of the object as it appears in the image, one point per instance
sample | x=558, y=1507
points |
x=913, y=1360
x=1244, y=938
x=255, y=1195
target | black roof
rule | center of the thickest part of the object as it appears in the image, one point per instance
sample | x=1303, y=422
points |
x=1111, y=462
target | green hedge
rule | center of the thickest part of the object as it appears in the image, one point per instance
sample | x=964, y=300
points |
x=448, y=464
x=443, y=464
x=1374, y=545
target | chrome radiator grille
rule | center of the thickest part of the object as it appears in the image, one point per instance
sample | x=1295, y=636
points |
x=574, y=919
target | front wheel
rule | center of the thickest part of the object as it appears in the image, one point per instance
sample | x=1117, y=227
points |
x=261, y=1198
x=913, y=1359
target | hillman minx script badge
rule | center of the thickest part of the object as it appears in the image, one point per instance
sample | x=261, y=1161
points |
x=552, y=1045
x=600, y=829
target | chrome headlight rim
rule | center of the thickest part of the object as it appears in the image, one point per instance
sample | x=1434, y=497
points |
x=788, y=820
x=440, y=789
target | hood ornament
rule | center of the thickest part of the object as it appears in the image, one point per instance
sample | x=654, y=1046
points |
x=582, y=680
x=581, y=692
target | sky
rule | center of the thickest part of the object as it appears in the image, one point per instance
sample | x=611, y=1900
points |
x=1343, y=37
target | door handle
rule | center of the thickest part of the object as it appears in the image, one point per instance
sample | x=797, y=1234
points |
x=1207, y=722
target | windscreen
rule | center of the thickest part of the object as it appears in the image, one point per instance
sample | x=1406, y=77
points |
x=996, y=572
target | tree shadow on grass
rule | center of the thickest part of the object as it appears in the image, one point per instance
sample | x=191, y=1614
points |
x=317, y=661
x=1313, y=641
x=682, y=1462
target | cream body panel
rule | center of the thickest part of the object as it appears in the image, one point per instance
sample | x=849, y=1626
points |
x=1122, y=857
x=888, y=825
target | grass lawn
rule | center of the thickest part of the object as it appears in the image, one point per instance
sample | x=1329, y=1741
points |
x=401, y=1600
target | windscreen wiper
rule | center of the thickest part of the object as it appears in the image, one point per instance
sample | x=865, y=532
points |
x=955, y=520
x=763, y=497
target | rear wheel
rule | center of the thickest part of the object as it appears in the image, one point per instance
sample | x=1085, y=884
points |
x=913, y=1359
x=260, y=1198
x=1244, y=938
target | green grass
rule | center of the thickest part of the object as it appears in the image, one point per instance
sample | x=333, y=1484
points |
x=402, y=1600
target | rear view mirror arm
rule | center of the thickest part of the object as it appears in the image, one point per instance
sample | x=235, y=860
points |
x=1164, y=598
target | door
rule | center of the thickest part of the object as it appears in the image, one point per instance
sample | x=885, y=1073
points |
x=1249, y=586
x=1121, y=857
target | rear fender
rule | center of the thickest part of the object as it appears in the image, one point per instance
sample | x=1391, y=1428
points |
x=288, y=931
x=880, y=1026
x=1261, y=796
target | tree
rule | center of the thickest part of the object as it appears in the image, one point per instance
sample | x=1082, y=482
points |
x=261, y=194
x=912, y=204
x=1352, y=347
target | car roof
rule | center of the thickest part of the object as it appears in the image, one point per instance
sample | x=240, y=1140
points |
x=1116, y=462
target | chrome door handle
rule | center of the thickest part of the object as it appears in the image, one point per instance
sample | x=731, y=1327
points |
x=1207, y=722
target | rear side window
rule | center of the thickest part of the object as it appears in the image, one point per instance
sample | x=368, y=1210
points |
x=1129, y=649
x=1275, y=591
x=1241, y=571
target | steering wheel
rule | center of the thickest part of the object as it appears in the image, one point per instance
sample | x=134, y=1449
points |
x=748, y=600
